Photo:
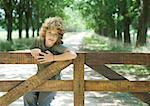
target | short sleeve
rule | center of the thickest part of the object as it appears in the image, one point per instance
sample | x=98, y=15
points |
x=60, y=48
x=35, y=43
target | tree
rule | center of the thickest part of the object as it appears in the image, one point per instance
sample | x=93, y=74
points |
x=126, y=21
x=8, y=6
x=143, y=23
x=119, y=20
x=112, y=18
x=28, y=15
x=43, y=9
x=99, y=15
x=20, y=9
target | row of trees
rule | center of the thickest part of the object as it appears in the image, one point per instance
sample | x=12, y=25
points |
x=112, y=18
x=116, y=18
x=25, y=14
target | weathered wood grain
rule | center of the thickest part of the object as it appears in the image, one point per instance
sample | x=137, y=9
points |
x=117, y=58
x=78, y=85
x=33, y=82
x=112, y=75
x=16, y=58
x=90, y=85
x=39, y=82
x=91, y=58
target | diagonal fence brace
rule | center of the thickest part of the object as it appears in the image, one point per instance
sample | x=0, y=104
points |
x=33, y=82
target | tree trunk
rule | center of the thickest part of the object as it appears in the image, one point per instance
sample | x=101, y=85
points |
x=143, y=24
x=111, y=28
x=20, y=26
x=37, y=16
x=27, y=24
x=127, y=22
x=119, y=30
x=28, y=14
x=8, y=8
x=38, y=26
x=119, y=23
x=33, y=30
x=104, y=31
x=20, y=10
x=112, y=32
x=119, y=34
x=9, y=22
x=33, y=23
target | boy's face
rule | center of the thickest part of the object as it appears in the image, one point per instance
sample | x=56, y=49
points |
x=51, y=37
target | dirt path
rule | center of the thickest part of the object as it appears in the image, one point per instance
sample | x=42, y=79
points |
x=18, y=72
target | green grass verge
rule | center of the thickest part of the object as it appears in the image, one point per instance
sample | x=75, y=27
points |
x=100, y=43
x=16, y=44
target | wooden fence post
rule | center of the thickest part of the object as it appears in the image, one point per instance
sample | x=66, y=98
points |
x=79, y=80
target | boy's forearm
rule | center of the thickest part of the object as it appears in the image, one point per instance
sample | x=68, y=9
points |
x=65, y=56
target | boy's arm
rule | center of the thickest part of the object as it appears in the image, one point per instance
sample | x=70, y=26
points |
x=49, y=57
x=67, y=55
x=34, y=48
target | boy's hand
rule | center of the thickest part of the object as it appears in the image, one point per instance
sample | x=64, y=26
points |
x=46, y=57
x=35, y=52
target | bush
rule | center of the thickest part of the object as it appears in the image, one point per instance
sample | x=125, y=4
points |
x=17, y=44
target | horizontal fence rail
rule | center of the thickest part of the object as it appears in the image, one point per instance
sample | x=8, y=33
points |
x=97, y=61
x=16, y=58
x=91, y=58
x=67, y=85
x=118, y=58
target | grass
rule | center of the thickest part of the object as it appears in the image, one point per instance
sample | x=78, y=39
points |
x=138, y=70
x=16, y=44
x=15, y=35
x=101, y=43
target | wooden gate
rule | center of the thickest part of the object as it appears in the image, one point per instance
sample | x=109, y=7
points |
x=78, y=85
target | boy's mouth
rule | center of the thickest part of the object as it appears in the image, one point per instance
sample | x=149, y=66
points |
x=50, y=39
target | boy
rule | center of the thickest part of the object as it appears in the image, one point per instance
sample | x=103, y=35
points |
x=47, y=49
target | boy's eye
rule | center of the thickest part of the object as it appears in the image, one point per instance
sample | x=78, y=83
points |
x=51, y=34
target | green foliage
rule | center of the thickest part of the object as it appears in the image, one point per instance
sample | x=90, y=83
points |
x=51, y=8
x=107, y=16
x=73, y=21
x=40, y=9
x=5, y=46
x=100, y=43
x=97, y=13
x=17, y=44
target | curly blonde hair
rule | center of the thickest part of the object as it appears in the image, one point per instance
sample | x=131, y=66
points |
x=52, y=23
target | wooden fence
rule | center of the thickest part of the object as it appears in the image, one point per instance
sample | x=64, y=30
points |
x=78, y=85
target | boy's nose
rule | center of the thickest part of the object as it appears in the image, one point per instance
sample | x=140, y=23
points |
x=52, y=36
